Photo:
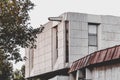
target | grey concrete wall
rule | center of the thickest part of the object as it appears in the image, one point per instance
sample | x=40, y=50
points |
x=60, y=62
x=43, y=54
x=110, y=72
x=108, y=35
x=60, y=78
x=27, y=67
x=78, y=40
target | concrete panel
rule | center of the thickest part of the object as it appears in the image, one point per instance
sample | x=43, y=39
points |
x=111, y=28
x=110, y=19
x=79, y=34
x=61, y=52
x=60, y=78
x=84, y=34
x=109, y=35
x=108, y=72
x=85, y=26
x=78, y=42
x=74, y=57
x=76, y=25
x=77, y=17
x=79, y=50
x=61, y=35
x=94, y=18
x=76, y=33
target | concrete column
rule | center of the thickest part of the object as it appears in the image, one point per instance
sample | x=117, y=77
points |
x=88, y=74
x=77, y=74
x=71, y=77
x=99, y=36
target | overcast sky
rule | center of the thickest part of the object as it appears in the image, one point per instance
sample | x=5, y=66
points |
x=52, y=8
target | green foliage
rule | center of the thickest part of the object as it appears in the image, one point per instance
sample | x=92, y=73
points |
x=5, y=67
x=15, y=30
x=14, y=27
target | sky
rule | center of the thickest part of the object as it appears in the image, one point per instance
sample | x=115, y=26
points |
x=52, y=8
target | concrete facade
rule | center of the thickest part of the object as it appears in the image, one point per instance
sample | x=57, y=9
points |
x=102, y=73
x=52, y=57
x=108, y=72
x=100, y=65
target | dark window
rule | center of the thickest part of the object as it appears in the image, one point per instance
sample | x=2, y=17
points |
x=55, y=43
x=92, y=40
x=92, y=37
x=67, y=40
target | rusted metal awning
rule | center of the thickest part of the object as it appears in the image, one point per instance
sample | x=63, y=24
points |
x=108, y=54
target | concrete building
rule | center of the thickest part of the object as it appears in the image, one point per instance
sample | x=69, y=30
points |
x=100, y=65
x=67, y=38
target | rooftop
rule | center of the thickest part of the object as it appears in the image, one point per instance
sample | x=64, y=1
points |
x=104, y=56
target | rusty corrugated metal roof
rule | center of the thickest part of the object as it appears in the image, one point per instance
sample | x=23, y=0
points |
x=116, y=53
x=101, y=56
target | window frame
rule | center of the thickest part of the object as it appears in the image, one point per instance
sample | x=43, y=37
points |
x=89, y=44
x=92, y=34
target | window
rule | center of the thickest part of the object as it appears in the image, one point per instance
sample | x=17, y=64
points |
x=92, y=37
x=92, y=40
x=56, y=28
x=67, y=40
x=55, y=43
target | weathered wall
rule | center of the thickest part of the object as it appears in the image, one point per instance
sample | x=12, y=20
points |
x=60, y=78
x=44, y=53
x=27, y=63
x=109, y=72
x=60, y=62
x=108, y=33
x=78, y=38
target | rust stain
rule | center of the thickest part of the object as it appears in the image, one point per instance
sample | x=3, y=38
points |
x=86, y=61
x=116, y=53
x=95, y=57
x=78, y=65
x=109, y=54
x=101, y=56
x=90, y=59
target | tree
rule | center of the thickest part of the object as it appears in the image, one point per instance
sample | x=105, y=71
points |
x=15, y=29
x=5, y=67
x=19, y=74
x=23, y=70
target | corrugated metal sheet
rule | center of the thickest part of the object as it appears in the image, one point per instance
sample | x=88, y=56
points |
x=73, y=67
x=116, y=53
x=95, y=57
x=87, y=60
x=109, y=54
x=101, y=56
